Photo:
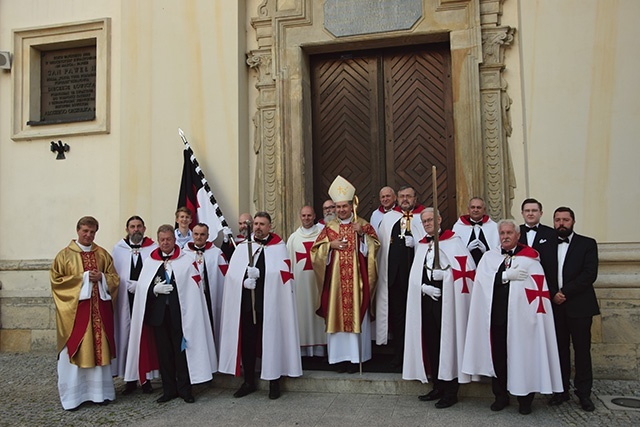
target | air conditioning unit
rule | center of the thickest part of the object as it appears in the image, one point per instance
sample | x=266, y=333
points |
x=5, y=60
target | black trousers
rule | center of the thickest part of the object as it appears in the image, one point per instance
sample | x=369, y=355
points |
x=431, y=336
x=172, y=360
x=398, y=312
x=499, y=356
x=251, y=341
x=576, y=330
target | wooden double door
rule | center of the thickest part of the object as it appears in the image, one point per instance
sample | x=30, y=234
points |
x=384, y=117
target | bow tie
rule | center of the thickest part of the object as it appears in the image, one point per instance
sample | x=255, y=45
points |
x=263, y=242
x=429, y=239
x=479, y=223
x=135, y=246
x=563, y=240
x=534, y=228
x=202, y=249
x=507, y=252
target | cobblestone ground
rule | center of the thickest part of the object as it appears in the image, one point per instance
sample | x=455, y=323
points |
x=29, y=397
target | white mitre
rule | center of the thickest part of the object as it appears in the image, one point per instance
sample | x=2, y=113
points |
x=341, y=190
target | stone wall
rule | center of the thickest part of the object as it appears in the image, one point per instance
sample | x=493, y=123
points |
x=27, y=314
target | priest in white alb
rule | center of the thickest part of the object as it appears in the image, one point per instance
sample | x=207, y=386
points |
x=313, y=339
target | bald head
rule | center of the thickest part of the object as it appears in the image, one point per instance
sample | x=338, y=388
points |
x=387, y=198
x=307, y=216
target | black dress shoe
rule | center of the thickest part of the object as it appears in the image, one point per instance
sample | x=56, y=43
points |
x=587, y=404
x=558, y=399
x=188, y=399
x=499, y=404
x=524, y=409
x=244, y=390
x=107, y=401
x=147, y=388
x=445, y=402
x=165, y=398
x=274, y=389
x=130, y=387
x=432, y=395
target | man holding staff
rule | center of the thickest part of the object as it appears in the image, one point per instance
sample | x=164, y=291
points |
x=344, y=261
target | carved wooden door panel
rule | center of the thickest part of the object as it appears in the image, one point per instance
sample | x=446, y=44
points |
x=384, y=118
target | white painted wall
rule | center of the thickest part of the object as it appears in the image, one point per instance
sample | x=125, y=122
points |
x=576, y=108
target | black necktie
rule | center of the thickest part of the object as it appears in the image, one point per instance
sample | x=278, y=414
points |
x=563, y=240
x=507, y=252
x=534, y=228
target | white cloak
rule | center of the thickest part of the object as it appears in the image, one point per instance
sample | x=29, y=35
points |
x=313, y=338
x=459, y=271
x=489, y=228
x=533, y=364
x=122, y=253
x=196, y=328
x=382, y=288
x=216, y=269
x=280, y=340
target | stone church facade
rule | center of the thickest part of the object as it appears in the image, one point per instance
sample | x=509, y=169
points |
x=240, y=81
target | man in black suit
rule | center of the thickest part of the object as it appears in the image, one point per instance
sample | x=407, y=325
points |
x=540, y=237
x=574, y=305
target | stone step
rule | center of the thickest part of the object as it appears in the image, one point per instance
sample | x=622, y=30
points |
x=367, y=383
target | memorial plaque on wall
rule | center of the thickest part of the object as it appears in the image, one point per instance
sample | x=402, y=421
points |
x=353, y=17
x=68, y=85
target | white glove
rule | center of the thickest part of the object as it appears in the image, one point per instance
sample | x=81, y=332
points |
x=253, y=273
x=514, y=274
x=432, y=291
x=408, y=241
x=131, y=286
x=162, y=288
x=437, y=275
x=477, y=244
x=249, y=283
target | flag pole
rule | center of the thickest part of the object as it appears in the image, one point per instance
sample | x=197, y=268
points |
x=226, y=231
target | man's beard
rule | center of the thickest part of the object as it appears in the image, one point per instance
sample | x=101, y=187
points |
x=407, y=207
x=564, y=231
x=329, y=217
x=136, y=238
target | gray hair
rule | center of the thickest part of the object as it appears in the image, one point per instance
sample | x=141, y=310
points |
x=511, y=222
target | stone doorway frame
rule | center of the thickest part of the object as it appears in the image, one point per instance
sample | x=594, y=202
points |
x=288, y=31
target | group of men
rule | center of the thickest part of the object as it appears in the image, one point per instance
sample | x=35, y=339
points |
x=156, y=309
x=452, y=304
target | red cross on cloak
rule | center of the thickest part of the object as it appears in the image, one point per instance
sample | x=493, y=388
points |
x=196, y=278
x=286, y=275
x=305, y=256
x=223, y=268
x=463, y=273
x=533, y=294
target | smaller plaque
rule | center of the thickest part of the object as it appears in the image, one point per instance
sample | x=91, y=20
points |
x=68, y=85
